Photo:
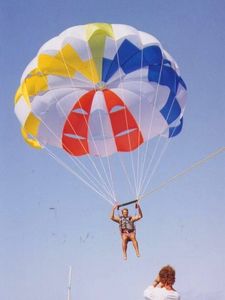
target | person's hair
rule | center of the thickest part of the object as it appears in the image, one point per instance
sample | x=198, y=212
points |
x=124, y=209
x=167, y=275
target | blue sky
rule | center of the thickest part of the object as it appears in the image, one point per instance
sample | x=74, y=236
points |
x=183, y=224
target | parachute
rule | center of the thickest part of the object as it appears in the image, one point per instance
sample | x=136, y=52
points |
x=101, y=90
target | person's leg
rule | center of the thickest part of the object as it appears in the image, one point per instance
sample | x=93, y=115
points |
x=135, y=243
x=124, y=245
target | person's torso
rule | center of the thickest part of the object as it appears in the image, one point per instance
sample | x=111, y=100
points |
x=126, y=224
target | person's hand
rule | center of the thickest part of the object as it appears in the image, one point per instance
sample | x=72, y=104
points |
x=156, y=281
x=115, y=206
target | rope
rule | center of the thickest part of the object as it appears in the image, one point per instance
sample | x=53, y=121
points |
x=108, y=162
x=184, y=172
x=142, y=172
x=63, y=164
x=103, y=186
x=126, y=120
x=108, y=178
x=139, y=115
x=110, y=185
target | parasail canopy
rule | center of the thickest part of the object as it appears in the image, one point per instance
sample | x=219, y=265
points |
x=99, y=89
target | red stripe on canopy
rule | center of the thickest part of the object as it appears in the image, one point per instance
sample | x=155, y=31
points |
x=75, y=131
x=125, y=128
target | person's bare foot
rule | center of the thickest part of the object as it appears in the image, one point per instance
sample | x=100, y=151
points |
x=138, y=254
x=124, y=256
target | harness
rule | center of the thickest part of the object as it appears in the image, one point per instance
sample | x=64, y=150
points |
x=126, y=225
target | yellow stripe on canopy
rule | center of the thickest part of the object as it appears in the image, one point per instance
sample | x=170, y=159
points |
x=30, y=130
x=66, y=63
x=96, y=35
x=32, y=86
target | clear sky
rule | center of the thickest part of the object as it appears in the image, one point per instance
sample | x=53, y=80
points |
x=183, y=224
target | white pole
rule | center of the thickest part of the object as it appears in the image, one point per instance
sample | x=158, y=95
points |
x=69, y=284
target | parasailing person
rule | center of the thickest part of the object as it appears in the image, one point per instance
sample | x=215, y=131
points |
x=127, y=227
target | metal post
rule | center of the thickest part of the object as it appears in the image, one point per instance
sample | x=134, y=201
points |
x=69, y=284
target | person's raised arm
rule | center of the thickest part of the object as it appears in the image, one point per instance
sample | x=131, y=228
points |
x=112, y=215
x=148, y=291
x=139, y=214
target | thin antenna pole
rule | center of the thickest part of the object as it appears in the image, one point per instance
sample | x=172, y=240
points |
x=69, y=284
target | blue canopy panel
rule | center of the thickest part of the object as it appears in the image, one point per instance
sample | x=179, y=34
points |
x=130, y=58
x=165, y=75
x=175, y=130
